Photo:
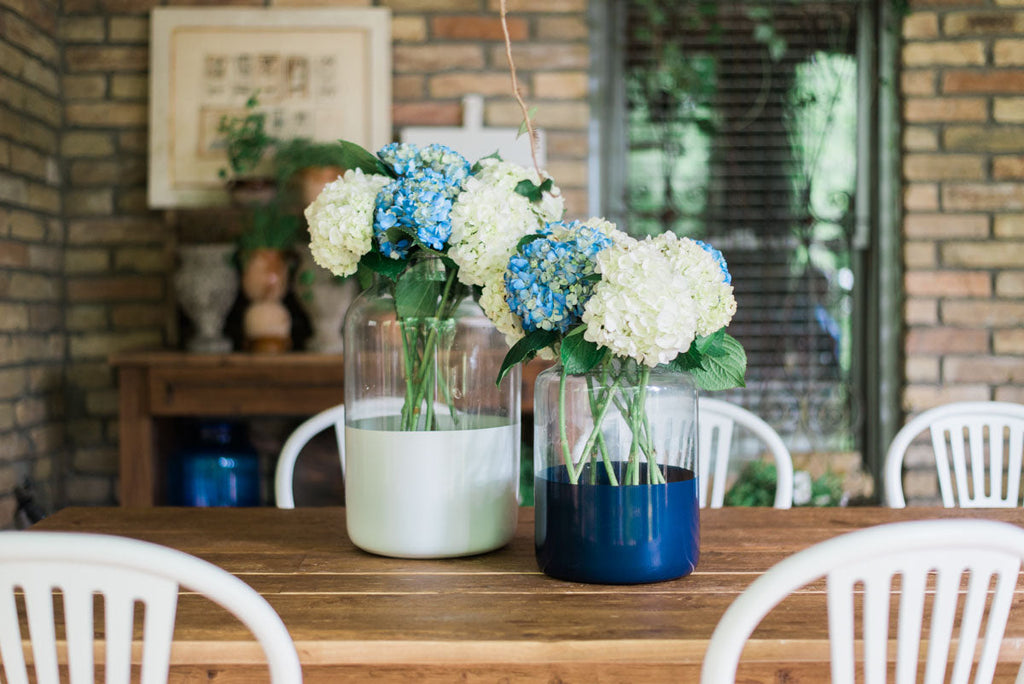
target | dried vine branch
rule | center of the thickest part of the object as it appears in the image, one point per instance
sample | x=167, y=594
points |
x=515, y=90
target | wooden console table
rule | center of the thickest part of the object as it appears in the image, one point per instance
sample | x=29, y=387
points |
x=165, y=384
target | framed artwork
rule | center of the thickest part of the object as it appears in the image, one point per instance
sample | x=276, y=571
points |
x=318, y=73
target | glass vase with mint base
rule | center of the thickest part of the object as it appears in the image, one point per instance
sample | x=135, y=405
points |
x=615, y=474
x=431, y=442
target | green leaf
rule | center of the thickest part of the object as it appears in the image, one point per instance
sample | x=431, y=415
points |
x=416, y=294
x=713, y=344
x=723, y=371
x=579, y=355
x=525, y=349
x=527, y=239
x=523, y=128
x=385, y=266
x=477, y=165
x=355, y=157
x=532, y=191
x=364, y=274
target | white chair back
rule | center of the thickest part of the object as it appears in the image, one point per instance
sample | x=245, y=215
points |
x=981, y=442
x=122, y=571
x=718, y=420
x=931, y=557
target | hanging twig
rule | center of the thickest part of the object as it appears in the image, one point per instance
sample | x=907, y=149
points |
x=515, y=90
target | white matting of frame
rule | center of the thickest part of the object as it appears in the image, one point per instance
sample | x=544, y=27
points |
x=323, y=74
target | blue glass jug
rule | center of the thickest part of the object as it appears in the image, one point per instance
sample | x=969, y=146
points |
x=220, y=469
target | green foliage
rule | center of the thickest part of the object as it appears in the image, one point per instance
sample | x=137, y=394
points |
x=755, y=486
x=270, y=227
x=716, y=361
x=245, y=139
x=417, y=293
x=532, y=191
x=525, y=349
x=291, y=156
x=578, y=355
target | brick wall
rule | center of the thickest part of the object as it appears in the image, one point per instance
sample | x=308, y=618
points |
x=32, y=340
x=119, y=255
x=73, y=132
x=963, y=140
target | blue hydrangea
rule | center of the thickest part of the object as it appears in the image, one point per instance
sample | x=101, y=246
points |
x=419, y=200
x=547, y=279
x=719, y=259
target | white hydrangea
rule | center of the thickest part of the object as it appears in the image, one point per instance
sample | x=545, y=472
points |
x=492, y=301
x=643, y=306
x=489, y=217
x=341, y=221
x=712, y=295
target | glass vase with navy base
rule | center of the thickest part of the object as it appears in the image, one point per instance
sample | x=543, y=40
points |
x=615, y=474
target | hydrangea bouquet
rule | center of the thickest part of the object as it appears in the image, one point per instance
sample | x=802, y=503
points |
x=619, y=307
x=407, y=206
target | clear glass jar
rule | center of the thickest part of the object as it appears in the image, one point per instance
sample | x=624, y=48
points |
x=431, y=441
x=615, y=474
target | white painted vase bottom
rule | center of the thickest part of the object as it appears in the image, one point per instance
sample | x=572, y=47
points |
x=431, y=494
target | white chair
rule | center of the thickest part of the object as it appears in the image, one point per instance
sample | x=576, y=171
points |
x=945, y=549
x=981, y=441
x=123, y=571
x=285, y=470
x=718, y=420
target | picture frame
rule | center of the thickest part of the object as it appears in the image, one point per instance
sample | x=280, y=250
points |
x=319, y=73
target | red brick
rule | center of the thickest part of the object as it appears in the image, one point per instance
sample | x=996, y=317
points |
x=980, y=81
x=945, y=225
x=477, y=28
x=108, y=114
x=1008, y=168
x=115, y=288
x=983, y=197
x=427, y=114
x=13, y=254
x=946, y=341
x=516, y=6
x=947, y=284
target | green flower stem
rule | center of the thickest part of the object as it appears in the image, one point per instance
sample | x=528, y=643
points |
x=562, y=436
x=422, y=372
x=602, y=445
x=596, y=431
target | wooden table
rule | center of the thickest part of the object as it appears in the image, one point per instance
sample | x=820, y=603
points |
x=156, y=385
x=357, y=617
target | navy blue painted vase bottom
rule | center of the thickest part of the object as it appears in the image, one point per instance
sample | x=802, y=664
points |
x=604, y=534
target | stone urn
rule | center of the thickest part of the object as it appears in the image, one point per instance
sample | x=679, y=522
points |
x=267, y=323
x=325, y=298
x=206, y=284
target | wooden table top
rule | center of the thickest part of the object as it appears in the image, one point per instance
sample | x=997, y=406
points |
x=495, y=616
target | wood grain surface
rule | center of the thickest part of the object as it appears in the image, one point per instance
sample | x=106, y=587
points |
x=359, y=617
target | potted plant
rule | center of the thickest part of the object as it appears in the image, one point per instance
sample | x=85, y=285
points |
x=246, y=143
x=303, y=166
x=264, y=251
